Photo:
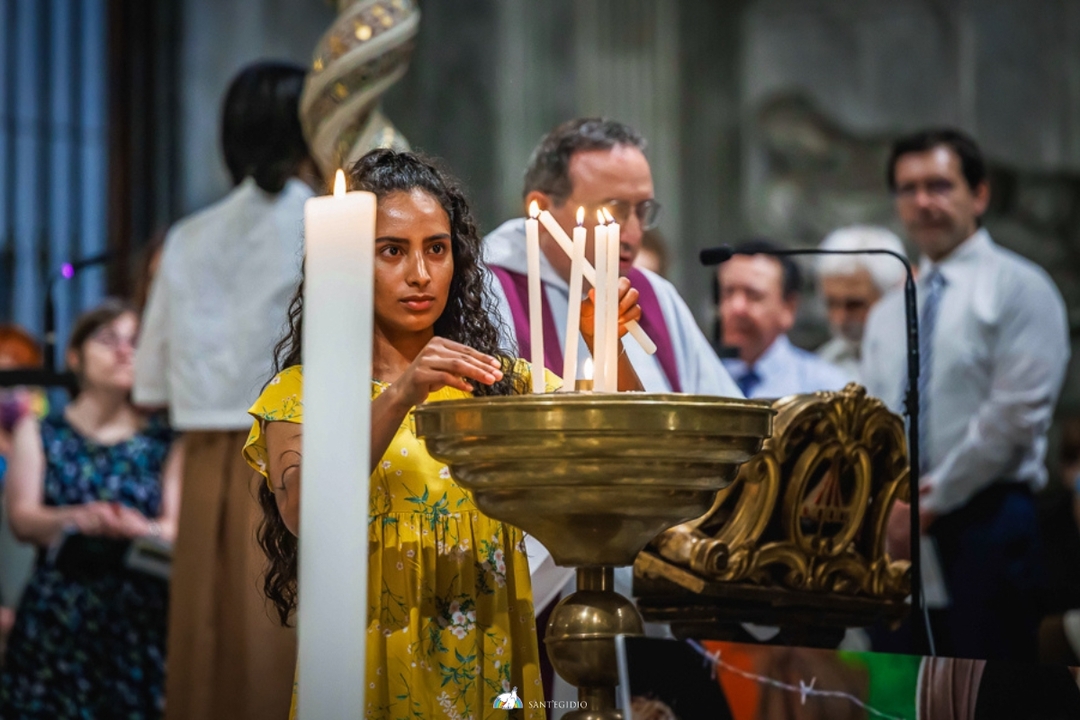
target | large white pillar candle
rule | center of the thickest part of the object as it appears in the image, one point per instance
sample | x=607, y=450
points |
x=339, y=238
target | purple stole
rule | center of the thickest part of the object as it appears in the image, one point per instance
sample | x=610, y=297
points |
x=516, y=288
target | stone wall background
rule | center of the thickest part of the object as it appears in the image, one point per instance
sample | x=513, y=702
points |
x=827, y=84
x=764, y=116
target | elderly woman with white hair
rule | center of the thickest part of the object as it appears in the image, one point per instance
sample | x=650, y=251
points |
x=851, y=284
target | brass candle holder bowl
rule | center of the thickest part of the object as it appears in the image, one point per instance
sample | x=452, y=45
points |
x=594, y=477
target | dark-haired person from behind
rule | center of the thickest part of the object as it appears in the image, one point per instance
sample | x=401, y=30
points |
x=759, y=295
x=89, y=635
x=218, y=300
x=450, y=612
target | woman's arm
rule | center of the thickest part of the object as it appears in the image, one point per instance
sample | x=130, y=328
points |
x=387, y=412
x=31, y=520
x=283, y=443
x=442, y=363
x=130, y=523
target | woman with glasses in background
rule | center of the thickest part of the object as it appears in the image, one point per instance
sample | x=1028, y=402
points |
x=89, y=635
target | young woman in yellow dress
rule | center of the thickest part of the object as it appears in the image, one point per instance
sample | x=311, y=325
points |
x=450, y=615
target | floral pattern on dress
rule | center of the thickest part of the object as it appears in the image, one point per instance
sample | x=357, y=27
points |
x=91, y=646
x=450, y=616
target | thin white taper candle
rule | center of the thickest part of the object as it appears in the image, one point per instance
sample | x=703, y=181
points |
x=555, y=230
x=573, y=310
x=536, y=311
x=611, y=356
x=600, y=310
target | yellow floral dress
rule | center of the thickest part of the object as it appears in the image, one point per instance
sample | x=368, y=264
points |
x=450, y=614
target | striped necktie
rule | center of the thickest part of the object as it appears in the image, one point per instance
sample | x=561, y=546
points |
x=935, y=284
x=748, y=381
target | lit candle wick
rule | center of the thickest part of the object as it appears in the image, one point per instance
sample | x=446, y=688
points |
x=339, y=183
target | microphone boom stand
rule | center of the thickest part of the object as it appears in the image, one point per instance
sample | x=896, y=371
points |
x=48, y=376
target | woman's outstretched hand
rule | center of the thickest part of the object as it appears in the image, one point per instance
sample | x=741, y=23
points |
x=628, y=310
x=442, y=363
x=445, y=363
x=99, y=519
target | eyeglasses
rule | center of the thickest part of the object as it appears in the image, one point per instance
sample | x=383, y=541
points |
x=113, y=341
x=935, y=188
x=851, y=305
x=646, y=211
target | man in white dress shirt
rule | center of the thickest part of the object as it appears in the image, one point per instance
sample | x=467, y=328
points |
x=851, y=285
x=759, y=295
x=994, y=347
x=216, y=308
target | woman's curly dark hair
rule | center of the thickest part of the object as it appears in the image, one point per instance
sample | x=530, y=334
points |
x=469, y=318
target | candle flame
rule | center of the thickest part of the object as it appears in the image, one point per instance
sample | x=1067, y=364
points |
x=339, y=183
x=587, y=369
x=581, y=216
x=534, y=209
x=608, y=215
x=600, y=217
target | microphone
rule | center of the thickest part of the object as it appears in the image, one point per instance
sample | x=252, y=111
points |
x=723, y=253
x=66, y=272
x=48, y=376
x=716, y=255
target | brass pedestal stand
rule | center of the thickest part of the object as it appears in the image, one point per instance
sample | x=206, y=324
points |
x=594, y=477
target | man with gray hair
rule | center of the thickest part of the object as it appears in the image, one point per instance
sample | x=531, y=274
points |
x=596, y=164
x=851, y=285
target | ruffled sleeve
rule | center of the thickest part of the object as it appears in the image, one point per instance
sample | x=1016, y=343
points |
x=281, y=401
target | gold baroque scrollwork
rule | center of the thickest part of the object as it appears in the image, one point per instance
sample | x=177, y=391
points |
x=809, y=512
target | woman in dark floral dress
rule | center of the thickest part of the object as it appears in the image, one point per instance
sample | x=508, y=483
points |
x=89, y=635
